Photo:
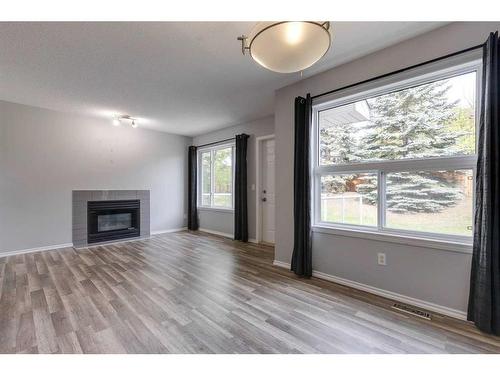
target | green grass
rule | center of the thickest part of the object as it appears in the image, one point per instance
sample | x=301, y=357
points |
x=222, y=200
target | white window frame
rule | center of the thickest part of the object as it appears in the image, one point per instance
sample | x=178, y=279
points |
x=443, y=69
x=212, y=150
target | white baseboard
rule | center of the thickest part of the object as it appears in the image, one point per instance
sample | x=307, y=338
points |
x=35, y=249
x=70, y=244
x=223, y=234
x=281, y=264
x=462, y=315
x=155, y=232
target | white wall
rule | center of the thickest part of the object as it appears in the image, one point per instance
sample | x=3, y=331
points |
x=224, y=221
x=44, y=155
x=434, y=276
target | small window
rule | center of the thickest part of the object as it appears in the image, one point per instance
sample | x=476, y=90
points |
x=399, y=158
x=215, y=183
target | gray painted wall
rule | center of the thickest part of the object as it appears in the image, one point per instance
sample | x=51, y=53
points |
x=223, y=221
x=44, y=155
x=436, y=276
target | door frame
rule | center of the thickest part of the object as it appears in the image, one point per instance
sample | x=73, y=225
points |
x=258, y=181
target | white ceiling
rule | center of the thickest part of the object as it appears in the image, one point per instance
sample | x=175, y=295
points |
x=180, y=77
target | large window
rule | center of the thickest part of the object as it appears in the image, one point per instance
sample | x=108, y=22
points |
x=215, y=181
x=399, y=158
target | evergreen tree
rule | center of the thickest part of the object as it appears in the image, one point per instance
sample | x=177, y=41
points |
x=420, y=192
x=337, y=144
x=463, y=124
x=410, y=124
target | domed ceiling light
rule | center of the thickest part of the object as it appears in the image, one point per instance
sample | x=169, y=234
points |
x=287, y=46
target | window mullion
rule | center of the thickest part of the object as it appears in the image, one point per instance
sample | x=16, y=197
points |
x=381, y=189
x=212, y=177
x=453, y=162
x=316, y=195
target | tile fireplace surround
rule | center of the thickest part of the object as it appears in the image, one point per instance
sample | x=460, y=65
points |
x=82, y=197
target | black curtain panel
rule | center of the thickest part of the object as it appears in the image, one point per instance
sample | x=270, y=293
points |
x=302, y=253
x=484, y=296
x=192, y=191
x=240, y=189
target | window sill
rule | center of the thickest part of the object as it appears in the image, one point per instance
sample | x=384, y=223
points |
x=216, y=209
x=459, y=247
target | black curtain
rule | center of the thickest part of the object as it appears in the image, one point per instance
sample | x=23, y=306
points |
x=192, y=204
x=240, y=189
x=484, y=296
x=302, y=254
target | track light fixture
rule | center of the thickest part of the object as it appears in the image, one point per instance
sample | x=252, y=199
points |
x=126, y=118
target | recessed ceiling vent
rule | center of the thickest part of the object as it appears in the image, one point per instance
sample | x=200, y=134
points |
x=412, y=310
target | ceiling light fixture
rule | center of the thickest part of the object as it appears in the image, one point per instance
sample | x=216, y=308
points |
x=126, y=118
x=287, y=46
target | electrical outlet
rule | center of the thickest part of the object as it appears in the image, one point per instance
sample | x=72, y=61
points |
x=381, y=259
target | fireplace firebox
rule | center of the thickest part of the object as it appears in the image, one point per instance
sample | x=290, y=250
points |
x=113, y=220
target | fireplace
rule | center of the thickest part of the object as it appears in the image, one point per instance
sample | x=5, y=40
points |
x=112, y=220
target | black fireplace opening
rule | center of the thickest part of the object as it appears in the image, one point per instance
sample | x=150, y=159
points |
x=113, y=220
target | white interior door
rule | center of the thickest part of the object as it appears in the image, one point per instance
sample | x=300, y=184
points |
x=267, y=191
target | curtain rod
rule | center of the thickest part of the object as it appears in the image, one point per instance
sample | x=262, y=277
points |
x=214, y=143
x=400, y=70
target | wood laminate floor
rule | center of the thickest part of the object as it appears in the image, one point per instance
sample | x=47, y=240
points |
x=197, y=293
